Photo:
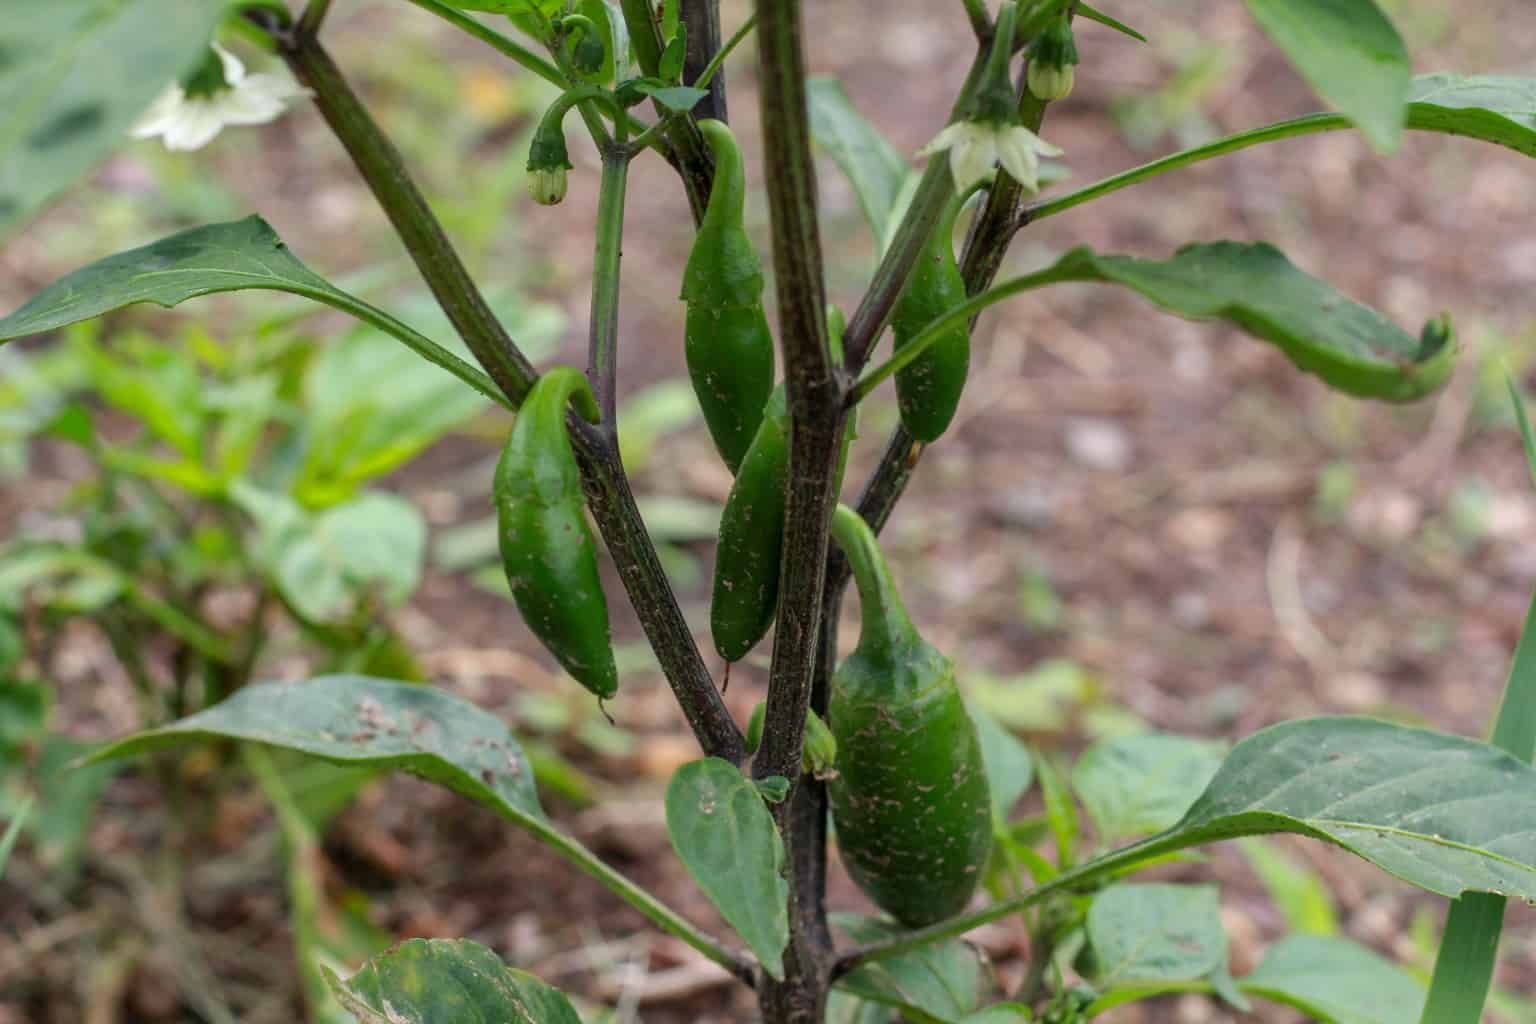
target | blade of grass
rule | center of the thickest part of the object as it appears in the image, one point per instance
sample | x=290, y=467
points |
x=1469, y=948
x=13, y=832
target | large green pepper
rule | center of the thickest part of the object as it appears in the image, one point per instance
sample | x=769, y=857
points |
x=728, y=344
x=746, y=586
x=546, y=546
x=910, y=799
x=928, y=389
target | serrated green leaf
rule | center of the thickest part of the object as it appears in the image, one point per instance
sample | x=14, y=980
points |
x=437, y=981
x=1349, y=52
x=1137, y=785
x=73, y=79
x=727, y=840
x=1336, y=981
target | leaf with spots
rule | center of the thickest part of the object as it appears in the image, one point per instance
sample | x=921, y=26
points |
x=727, y=840
x=434, y=981
x=357, y=720
x=73, y=79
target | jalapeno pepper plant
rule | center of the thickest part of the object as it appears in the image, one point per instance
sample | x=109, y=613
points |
x=880, y=753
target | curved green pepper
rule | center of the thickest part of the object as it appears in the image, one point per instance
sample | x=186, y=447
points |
x=728, y=345
x=928, y=389
x=910, y=799
x=746, y=584
x=546, y=546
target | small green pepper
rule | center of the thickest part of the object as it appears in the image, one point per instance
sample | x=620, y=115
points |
x=547, y=549
x=728, y=345
x=746, y=584
x=818, y=756
x=910, y=800
x=928, y=389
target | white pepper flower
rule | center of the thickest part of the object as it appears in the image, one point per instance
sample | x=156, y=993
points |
x=220, y=92
x=974, y=146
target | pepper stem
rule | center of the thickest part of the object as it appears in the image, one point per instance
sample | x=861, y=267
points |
x=886, y=625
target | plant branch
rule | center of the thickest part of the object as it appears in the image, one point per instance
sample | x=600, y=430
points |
x=933, y=192
x=384, y=170
x=609, y=496
x=701, y=18
x=603, y=333
x=1307, y=125
x=723, y=54
x=959, y=314
x=690, y=156
x=981, y=22
x=313, y=17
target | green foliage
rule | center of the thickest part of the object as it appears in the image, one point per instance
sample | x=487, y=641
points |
x=429, y=981
x=1337, y=981
x=726, y=838
x=1136, y=785
x=871, y=164
x=1350, y=53
x=1148, y=935
x=941, y=983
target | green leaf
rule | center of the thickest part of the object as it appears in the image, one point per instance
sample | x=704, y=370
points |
x=372, y=544
x=941, y=982
x=1151, y=934
x=1348, y=51
x=1351, y=347
x=1001, y=1013
x=355, y=720
x=24, y=711
x=678, y=98
x=1010, y=768
x=1137, y=785
x=73, y=79
x=1094, y=14
x=1336, y=981
x=1447, y=814
x=872, y=165
x=434, y=981
x=1060, y=812
x=214, y=258
x=843, y=1008
x=1493, y=108
x=727, y=840
x=67, y=799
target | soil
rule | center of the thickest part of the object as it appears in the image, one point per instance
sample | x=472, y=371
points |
x=1214, y=540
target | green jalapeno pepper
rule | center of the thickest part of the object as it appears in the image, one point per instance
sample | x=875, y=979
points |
x=728, y=345
x=547, y=548
x=928, y=389
x=910, y=799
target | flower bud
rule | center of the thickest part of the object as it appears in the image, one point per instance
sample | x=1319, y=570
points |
x=1052, y=60
x=589, y=53
x=1051, y=82
x=547, y=185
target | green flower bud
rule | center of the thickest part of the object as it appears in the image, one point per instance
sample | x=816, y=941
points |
x=1051, y=82
x=589, y=53
x=1052, y=58
x=547, y=185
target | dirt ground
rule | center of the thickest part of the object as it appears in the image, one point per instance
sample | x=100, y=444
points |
x=1211, y=539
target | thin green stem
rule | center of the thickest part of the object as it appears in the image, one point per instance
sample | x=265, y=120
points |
x=718, y=61
x=689, y=154
x=653, y=909
x=412, y=339
x=313, y=17
x=981, y=21
x=958, y=315
x=1078, y=877
x=604, y=329
x=509, y=47
x=1308, y=125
